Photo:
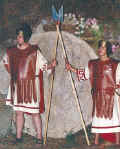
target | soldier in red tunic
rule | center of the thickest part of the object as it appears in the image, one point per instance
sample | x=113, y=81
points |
x=25, y=64
x=104, y=75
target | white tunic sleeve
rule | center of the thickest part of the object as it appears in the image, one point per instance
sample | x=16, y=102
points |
x=118, y=74
x=41, y=61
x=5, y=59
x=87, y=75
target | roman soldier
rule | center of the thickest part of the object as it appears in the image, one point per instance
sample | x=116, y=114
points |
x=26, y=64
x=104, y=76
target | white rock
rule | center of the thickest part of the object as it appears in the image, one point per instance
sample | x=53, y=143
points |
x=64, y=115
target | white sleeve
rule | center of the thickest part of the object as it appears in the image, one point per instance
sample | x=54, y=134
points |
x=41, y=61
x=87, y=73
x=118, y=74
x=5, y=59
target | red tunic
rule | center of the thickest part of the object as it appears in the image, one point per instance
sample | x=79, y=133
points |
x=102, y=77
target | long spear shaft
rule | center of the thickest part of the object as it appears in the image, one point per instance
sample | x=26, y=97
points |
x=73, y=87
x=50, y=96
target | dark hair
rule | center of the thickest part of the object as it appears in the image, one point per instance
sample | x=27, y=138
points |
x=27, y=31
x=108, y=46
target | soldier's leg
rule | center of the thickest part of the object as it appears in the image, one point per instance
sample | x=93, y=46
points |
x=97, y=138
x=38, y=124
x=117, y=138
x=19, y=123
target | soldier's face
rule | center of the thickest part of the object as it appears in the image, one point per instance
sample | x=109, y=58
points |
x=102, y=51
x=20, y=38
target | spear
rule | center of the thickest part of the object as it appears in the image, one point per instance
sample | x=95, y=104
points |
x=58, y=17
x=51, y=89
x=50, y=95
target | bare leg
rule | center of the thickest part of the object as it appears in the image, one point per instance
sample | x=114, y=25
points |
x=97, y=138
x=19, y=123
x=38, y=124
x=117, y=138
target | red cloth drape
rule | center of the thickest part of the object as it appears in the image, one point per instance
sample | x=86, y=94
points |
x=111, y=137
x=42, y=108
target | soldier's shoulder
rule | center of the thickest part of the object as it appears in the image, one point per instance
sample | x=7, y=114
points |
x=11, y=47
x=94, y=60
x=35, y=47
x=115, y=60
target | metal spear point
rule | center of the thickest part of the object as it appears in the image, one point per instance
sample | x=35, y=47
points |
x=58, y=18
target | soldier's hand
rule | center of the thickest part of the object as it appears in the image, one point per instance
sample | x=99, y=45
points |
x=44, y=68
x=67, y=65
x=54, y=63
